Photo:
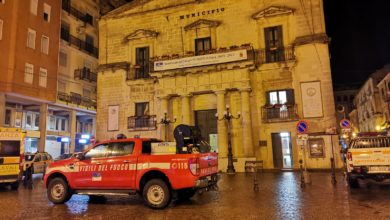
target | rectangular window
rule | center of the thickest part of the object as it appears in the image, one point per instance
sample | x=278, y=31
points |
x=43, y=77
x=58, y=124
x=31, y=34
x=28, y=119
x=88, y=19
x=28, y=73
x=46, y=12
x=141, y=108
x=34, y=6
x=36, y=124
x=52, y=123
x=281, y=97
x=8, y=114
x=274, y=44
x=65, y=27
x=63, y=59
x=89, y=43
x=2, y=1
x=142, y=62
x=45, y=44
x=202, y=45
x=63, y=124
x=1, y=29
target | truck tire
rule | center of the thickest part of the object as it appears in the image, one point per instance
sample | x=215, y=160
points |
x=352, y=182
x=156, y=194
x=15, y=185
x=185, y=194
x=58, y=191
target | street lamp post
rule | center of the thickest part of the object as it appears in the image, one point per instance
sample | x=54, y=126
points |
x=166, y=121
x=227, y=116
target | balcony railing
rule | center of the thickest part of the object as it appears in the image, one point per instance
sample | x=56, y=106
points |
x=77, y=99
x=80, y=44
x=78, y=14
x=137, y=72
x=85, y=74
x=146, y=122
x=273, y=55
x=278, y=113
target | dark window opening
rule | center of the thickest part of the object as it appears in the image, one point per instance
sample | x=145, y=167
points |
x=274, y=44
x=7, y=120
x=202, y=45
x=45, y=16
x=141, y=110
x=66, y=5
x=65, y=31
x=89, y=43
x=142, y=63
x=88, y=19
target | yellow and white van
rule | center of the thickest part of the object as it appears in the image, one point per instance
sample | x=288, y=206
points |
x=11, y=156
x=368, y=158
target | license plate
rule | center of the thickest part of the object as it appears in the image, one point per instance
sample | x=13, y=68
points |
x=380, y=168
x=10, y=169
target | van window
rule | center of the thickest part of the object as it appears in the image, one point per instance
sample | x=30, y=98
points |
x=9, y=148
x=371, y=142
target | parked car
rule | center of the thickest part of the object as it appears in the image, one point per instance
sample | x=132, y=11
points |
x=37, y=161
x=66, y=156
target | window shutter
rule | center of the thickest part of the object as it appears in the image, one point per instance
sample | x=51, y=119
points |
x=268, y=101
x=290, y=96
x=280, y=36
x=267, y=32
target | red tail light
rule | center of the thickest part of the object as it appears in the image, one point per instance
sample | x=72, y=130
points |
x=349, y=156
x=193, y=165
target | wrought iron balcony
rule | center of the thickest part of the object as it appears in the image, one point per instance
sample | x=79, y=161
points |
x=145, y=122
x=273, y=55
x=77, y=13
x=77, y=99
x=80, y=44
x=138, y=72
x=279, y=113
x=85, y=74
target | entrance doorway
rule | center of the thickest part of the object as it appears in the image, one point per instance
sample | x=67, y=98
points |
x=207, y=123
x=282, y=153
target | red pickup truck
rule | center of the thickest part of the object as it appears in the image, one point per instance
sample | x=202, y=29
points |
x=127, y=166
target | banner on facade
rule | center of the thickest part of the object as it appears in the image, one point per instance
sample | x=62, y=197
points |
x=113, y=118
x=311, y=99
x=200, y=60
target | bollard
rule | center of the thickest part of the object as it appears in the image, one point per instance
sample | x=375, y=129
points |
x=255, y=182
x=301, y=172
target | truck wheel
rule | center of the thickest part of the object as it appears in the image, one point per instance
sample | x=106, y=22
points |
x=185, y=194
x=15, y=185
x=58, y=191
x=157, y=194
x=352, y=182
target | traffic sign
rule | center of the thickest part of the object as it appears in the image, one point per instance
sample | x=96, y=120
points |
x=345, y=123
x=302, y=127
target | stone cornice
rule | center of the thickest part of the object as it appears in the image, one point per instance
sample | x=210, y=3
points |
x=200, y=22
x=114, y=66
x=141, y=33
x=314, y=38
x=272, y=11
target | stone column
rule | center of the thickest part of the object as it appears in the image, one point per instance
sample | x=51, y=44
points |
x=43, y=115
x=222, y=130
x=186, y=109
x=164, y=129
x=72, y=130
x=246, y=122
x=2, y=109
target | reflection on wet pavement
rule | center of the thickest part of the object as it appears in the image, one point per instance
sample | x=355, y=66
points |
x=279, y=197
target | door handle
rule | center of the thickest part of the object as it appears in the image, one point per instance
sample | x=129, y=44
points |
x=98, y=163
x=126, y=161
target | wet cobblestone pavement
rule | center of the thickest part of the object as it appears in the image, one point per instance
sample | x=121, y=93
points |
x=279, y=197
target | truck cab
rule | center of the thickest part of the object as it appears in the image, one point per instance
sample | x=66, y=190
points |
x=129, y=166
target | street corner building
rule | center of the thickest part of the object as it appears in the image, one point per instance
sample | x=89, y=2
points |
x=191, y=60
x=47, y=78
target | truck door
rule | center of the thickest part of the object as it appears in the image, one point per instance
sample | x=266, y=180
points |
x=38, y=164
x=122, y=165
x=91, y=172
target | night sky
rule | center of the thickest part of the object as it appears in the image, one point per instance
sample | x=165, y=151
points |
x=360, y=38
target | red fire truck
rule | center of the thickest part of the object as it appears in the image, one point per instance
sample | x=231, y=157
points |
x=129, y=166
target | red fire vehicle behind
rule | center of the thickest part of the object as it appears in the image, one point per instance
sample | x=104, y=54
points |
x=127, y=166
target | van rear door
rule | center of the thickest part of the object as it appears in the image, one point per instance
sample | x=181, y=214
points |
x=9, y=158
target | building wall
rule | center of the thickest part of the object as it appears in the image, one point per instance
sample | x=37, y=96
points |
x=242, y=85
x=18, y=20
x=384, y=95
